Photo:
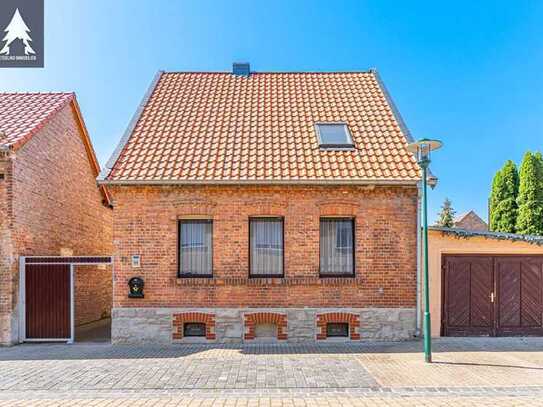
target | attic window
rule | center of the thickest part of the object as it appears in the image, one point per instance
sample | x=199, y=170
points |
x=334, y=136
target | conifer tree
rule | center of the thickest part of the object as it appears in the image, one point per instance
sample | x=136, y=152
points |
x=503, y=199
x=530, y=198
x=446, y=215
x=539, y=159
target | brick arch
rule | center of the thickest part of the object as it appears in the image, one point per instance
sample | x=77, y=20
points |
x=351, y=318
x=181, y=318
x=253, y=319
x=266, y=208
x=338, y=207
x=195, y=207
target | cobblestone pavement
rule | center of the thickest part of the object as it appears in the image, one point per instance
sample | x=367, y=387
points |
x=477, y=371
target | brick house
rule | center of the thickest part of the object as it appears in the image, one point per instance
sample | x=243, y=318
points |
x=50, y=205
x=470, y=221
x=264, y=206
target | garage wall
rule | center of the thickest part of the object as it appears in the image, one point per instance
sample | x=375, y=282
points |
x=441, y=243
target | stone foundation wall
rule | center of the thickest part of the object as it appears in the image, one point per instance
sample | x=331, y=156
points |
x=155, y=325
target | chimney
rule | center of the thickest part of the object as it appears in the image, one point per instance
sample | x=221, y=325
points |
x=241, y=69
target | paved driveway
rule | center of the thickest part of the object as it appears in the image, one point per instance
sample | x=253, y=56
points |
x=465, y=372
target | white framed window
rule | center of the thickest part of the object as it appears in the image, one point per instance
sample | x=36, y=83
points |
x=337, y=247
x=195, y=248
x=334, y=135
x=266, y=249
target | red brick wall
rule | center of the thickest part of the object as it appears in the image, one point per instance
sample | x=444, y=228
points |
x=145, y=223
x=93, y=293
x=57, y=205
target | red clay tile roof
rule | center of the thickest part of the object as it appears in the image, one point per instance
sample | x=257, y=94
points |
x=23, y=114
x=218, y=127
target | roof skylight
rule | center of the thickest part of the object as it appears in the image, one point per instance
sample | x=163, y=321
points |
x=334, y=135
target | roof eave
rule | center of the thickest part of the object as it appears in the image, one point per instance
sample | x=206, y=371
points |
x=390, y=182
x=465, y=233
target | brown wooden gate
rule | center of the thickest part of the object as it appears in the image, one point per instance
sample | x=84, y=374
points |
x=492, y=295
x=48, y=301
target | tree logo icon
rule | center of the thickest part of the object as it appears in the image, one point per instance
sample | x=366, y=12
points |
x=17, y=30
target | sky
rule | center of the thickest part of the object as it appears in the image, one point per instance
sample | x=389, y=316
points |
x=467, y=73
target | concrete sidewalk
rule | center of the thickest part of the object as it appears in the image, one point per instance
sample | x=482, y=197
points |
x=475, y=371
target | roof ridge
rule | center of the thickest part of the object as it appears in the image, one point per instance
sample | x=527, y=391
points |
x=275, y=72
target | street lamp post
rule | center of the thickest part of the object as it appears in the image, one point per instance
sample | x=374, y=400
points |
x=422, y=149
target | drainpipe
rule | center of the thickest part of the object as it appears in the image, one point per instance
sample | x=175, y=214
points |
x=419, y=253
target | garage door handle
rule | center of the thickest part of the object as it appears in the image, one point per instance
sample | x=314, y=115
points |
x=491, y=297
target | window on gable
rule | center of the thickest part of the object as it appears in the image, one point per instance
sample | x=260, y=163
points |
x=334, y=135
x=195, y=248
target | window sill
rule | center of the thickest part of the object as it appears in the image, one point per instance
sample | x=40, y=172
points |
x=273, y=281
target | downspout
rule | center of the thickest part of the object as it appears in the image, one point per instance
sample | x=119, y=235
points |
x=419, y=254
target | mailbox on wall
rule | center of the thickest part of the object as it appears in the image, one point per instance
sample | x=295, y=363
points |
x=135, y=285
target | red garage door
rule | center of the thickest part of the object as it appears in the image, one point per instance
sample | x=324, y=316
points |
x=492, y=295
x=48, y=301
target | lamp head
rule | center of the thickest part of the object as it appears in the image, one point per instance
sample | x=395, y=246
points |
x=422, y=148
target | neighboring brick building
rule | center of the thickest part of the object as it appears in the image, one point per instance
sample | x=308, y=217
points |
x=50, y=204
x=264, y=206
x=470, y=221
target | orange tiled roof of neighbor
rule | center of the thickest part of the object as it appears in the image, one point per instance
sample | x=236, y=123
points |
x=23, y=114
x=219, y=127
